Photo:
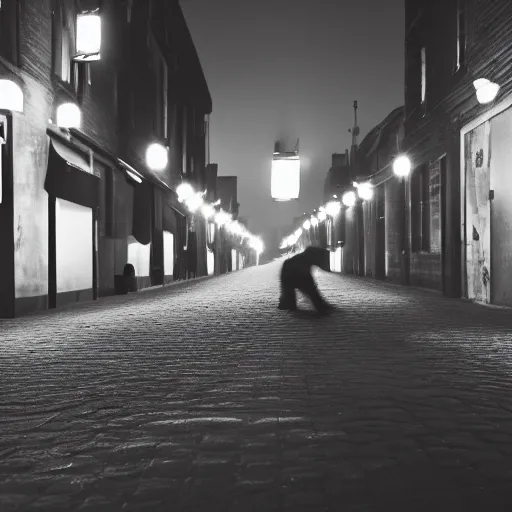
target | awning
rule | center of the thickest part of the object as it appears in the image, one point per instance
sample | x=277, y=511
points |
x=70, y=177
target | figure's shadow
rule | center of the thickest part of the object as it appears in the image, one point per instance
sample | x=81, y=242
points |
x=311, y=314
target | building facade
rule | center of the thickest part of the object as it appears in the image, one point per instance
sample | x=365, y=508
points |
x=460, y=217
x=96, y=135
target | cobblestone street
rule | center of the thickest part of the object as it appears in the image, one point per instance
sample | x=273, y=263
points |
x=206, y=397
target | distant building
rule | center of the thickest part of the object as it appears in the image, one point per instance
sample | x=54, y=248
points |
x=96, y=140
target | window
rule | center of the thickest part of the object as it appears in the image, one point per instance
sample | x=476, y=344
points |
x=9, y=30
x=423, y=75
x=160, y=74
x=425, y=208
x=62, y=41
x=435, y=206
x=461, y=33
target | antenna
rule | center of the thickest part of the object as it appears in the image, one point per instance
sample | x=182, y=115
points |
x=355, y=129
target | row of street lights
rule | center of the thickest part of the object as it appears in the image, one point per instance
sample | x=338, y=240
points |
x=363, y=191
x=195, y=202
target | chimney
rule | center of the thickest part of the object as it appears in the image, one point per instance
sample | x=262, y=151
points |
x=339, y=159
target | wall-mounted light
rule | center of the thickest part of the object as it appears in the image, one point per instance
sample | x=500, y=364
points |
x=69, y=116
x=314, y=221
x=322, y=216
x=11, y=96
x=486, y=90
x=349, y=199
x=194, y=202
x=184, y=191
x=222, y=218
x=333, y=208
x=306, y=225
x=402, y=166
x=364, y=190
x=208, y=211
x=157, y=157
x=88, y=37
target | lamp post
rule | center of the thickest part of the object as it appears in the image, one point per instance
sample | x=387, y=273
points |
x=402, y=168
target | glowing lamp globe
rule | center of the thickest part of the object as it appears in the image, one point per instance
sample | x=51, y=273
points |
x=256, y=244
x=314, y=221
x=194, y=202
x=365, y=191
x=322, y=216
x=207, y=210
x=157, y=157
x=306, y=225
x=222, y=218
x=333, y=208
x=349, y=199
x=486, y=90
x=184, y=191
x=11, y=96
x=402, y=166
x=68, y=116
x=88, y=37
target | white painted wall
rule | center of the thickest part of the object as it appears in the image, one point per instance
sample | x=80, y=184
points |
x=168, y=253
x=73, y=230
x=139, y=257
x=210, y=262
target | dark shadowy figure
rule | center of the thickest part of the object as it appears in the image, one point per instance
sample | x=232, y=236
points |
x=296, y=274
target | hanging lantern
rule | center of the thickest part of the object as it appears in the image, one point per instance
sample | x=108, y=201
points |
x=88, y=37
x=285, y=179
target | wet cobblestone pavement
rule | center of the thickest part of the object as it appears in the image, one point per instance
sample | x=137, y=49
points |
x=205, y=397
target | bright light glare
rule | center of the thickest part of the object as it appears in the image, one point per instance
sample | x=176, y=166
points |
x=322, y=216
x=285, y=180
x=69, y=116
x=306, y=225
x=184, y=191
x=402, y=166
x=88, y=36
x=365, y=191
x=349, y=199
x=298, y=232
x=195, y=202
x=256, y=244
x=207, y=210
x=486, y=90
x=314, y=221
x=222, y=218
x=157, y=157
x=333, y=208
x=11, y=96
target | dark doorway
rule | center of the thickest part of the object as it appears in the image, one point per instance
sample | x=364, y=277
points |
x=444, y=257
x=380, y=245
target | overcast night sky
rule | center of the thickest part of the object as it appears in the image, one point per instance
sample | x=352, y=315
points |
x=292, y=69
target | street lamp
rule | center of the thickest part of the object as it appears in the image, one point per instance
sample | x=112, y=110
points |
x=402, y=166
x=364, y=190
x=184, y=191
x=332, y=208
x=349, y=199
